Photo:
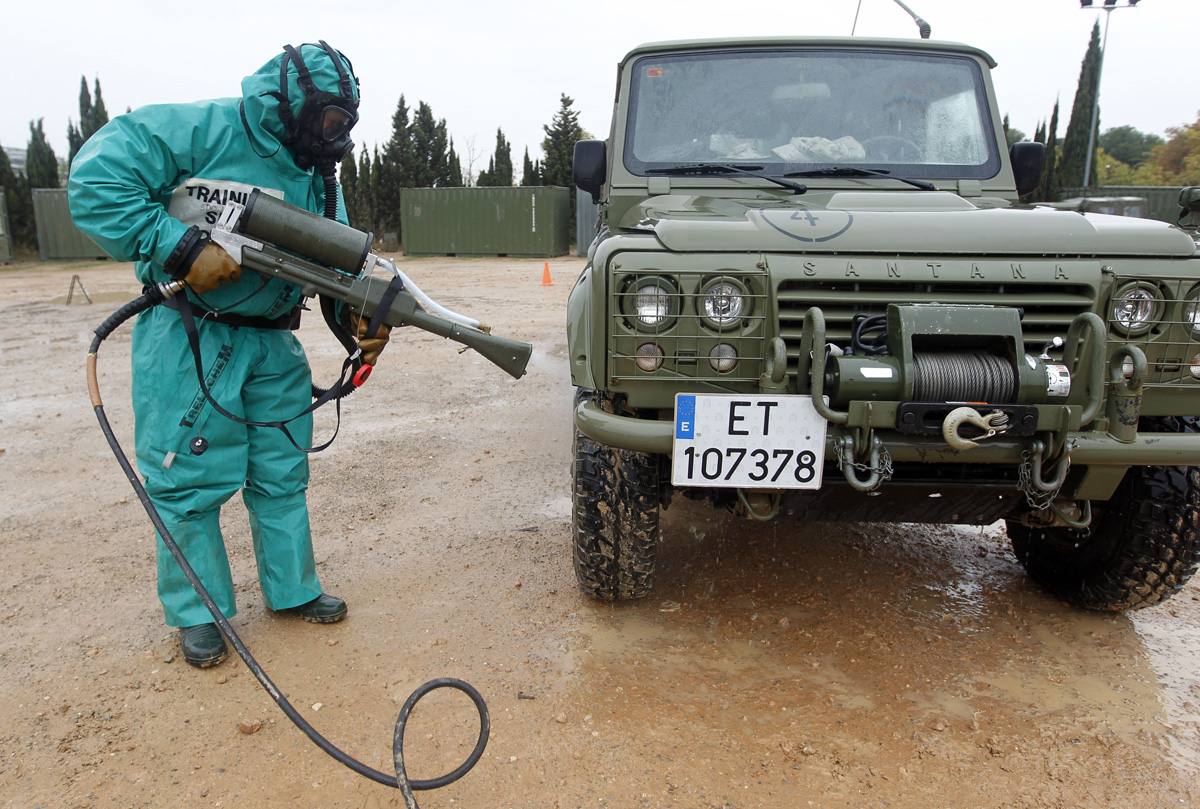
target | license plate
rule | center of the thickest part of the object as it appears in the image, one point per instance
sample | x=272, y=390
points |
x=747, y=442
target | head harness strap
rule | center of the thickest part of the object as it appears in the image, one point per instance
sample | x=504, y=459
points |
x=343, y=79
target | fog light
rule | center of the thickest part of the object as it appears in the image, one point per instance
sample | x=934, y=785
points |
x=722, y=358
x=1194, y=368
x=649, y=357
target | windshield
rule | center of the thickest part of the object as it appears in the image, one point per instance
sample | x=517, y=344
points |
x=912, y=114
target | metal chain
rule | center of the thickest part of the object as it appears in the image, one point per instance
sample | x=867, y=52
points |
x=884, y=469
x=1034, y=498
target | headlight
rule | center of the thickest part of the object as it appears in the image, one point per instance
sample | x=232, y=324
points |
x=1136, y=307
x=723, y=303
x=651, y=303
x=1191, y=311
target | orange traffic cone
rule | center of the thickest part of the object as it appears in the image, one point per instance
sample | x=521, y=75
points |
x=547, y=281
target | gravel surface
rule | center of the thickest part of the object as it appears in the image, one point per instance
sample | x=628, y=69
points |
x=786, y=666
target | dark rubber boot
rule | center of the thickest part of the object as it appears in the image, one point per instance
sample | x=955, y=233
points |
x=202, y=645
x=324, y=609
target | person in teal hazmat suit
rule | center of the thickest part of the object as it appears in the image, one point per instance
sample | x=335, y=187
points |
x=148, y=187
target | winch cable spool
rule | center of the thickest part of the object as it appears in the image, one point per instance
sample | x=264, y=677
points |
x=153, y=296
x=962, y=376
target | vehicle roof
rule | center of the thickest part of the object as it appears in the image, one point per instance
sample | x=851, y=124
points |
x=866, y=43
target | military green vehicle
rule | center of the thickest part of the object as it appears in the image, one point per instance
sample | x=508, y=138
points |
x=816, y=296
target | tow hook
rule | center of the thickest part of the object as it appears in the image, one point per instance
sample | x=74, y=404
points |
x=993, y=424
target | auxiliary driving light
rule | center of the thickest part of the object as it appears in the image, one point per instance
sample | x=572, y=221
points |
x=649, y=357
x=1194, y=367
x=722, y=358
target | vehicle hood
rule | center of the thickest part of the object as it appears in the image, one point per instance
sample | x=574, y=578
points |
x=896, y=222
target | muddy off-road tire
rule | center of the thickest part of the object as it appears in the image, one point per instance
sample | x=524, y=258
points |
x=1143, y=544
x=614, y=518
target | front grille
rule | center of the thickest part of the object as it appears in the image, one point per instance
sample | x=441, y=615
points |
x=1048, y=308
x=1171, y=344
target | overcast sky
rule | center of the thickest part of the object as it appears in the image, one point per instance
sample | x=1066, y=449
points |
x=486, y=64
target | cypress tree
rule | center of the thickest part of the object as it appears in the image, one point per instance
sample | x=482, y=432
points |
x=41, y=164
x=501, y=168
x=19, y=203
x=425, y=144
x=455, y=175
x=392, y=173
x=1074, y=152
x=558, y=148
x=99, y=116
x=1012, y=135
x=529, y=173
x=363, y=189
x=92, y=116
x=487, y=176
x=348, y=179
x=439, y=155
x=562, y=133
x=379, y=214
x=76, y=136
x=1050, y=184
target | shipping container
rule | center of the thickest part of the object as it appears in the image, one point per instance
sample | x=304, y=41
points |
x=587, y=221
x=57, y=236
x=1162, y=201
x=5, y=231
x=522, y=221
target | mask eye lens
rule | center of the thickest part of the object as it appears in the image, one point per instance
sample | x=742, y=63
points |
x=335, y=122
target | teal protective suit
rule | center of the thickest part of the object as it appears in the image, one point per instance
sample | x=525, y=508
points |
x=135, y=188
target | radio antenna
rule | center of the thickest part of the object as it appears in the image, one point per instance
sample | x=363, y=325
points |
x=855, y=25
x=922, y=26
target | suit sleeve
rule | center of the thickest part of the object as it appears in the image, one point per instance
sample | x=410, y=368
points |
x=120, y=180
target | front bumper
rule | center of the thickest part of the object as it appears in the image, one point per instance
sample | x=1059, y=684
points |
x=1090, y=447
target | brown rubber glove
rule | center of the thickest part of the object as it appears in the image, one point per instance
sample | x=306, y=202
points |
x=211, y=268
x=371, y=347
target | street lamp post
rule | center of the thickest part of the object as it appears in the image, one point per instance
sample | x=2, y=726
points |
x=1108, y=7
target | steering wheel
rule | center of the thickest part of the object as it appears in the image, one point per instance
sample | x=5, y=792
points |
x=892, y=148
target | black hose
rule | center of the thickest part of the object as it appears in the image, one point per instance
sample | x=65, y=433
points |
x=868, y=335
x=401, y=781
x=330, y=180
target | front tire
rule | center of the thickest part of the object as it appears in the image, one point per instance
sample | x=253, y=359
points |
x=1142, y=547
x=615, y=517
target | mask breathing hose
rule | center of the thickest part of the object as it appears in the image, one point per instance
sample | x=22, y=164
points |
x=154, y=296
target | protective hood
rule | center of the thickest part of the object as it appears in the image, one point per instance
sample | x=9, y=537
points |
x=259, y=90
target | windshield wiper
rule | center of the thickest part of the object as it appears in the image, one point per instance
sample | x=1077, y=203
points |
x=684, y=169
x=857, y=171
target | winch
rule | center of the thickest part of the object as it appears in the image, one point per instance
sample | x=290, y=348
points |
x=933, y=353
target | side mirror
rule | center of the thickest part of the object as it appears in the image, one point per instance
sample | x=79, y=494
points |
x=590, y=167
x=1027, y=160
x=1189, y=200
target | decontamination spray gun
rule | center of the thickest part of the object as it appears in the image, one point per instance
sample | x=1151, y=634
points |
x=322, y=257
x=325, y=257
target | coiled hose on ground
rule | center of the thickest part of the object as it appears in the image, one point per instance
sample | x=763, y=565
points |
x=152, y=297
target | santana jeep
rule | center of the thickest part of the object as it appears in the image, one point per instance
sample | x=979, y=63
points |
x=815, y=293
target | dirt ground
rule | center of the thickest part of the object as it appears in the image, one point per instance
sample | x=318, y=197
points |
x=791, y=666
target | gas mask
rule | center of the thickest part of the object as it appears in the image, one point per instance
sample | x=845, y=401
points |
x=320, y=135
